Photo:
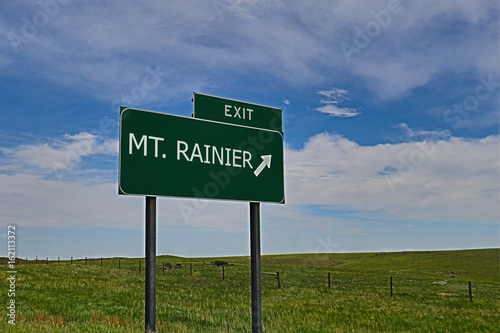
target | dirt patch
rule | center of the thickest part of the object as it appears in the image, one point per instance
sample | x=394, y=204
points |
x=442, y=283
x=447, y=294
x=322, y=262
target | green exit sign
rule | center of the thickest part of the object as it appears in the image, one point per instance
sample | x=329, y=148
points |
x=236, y=112
x=167, y=155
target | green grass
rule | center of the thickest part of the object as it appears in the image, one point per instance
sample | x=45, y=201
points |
x=79, y=298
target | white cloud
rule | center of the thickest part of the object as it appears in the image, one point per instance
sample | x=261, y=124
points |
x=446, y=181
x=4, y=61
x=109, y=147
x=334, y=97
x=61, y=154
x=334, y=110
x=454, y=180
x=294, y=41
x=395, y=79
x=419, y=135
x=29, y=200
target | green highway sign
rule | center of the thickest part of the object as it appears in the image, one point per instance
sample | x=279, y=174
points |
x=236, y=112
x=167, y=155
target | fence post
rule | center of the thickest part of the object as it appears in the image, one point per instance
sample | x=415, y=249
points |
x=71, y=260
x=85, y=261
x=470, y=291
x=329, y=285
x=101, y=261
x=278, y=277
x=391, y=286
x=119, y=264
x=223, y=273
x=58, y=260
x=36, y=259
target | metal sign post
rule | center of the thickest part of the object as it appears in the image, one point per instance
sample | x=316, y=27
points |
x=150, y=305
x=255, y=267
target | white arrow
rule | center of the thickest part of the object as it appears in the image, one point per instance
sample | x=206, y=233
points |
x=266, y=161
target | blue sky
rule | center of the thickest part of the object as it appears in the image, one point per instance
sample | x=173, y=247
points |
x=390, y=112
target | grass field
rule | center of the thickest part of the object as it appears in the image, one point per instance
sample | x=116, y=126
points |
x=90, y=298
